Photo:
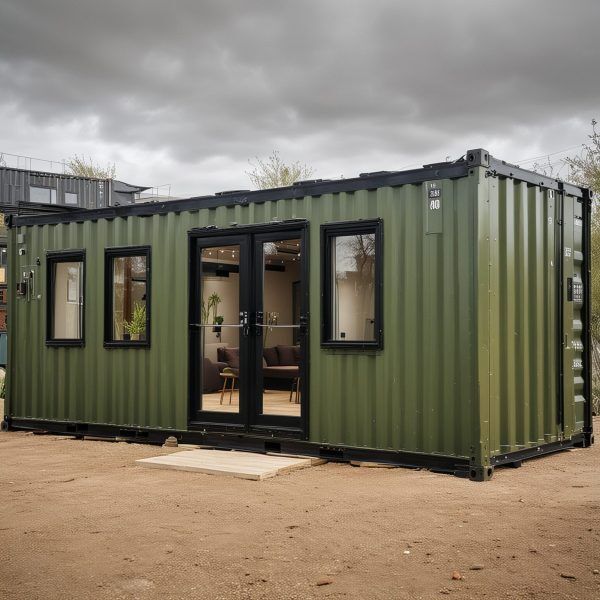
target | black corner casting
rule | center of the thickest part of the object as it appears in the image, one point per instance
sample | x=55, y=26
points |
x=478, y=158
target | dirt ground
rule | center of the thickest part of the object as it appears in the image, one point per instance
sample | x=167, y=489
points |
x=78, y=519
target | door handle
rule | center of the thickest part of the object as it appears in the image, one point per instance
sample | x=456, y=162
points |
x=303, y=325
x=212, y=325
x=244, y=323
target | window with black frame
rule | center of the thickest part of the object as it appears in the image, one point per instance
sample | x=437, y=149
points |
x=127, y=301
x=42, y=195
x=71, y=198
x=65, y=320
x=352, y=285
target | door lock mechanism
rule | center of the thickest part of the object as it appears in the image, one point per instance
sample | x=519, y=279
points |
x=244, y=322
x=303, y=325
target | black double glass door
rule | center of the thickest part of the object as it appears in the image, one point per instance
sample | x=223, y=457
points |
x=248, y=328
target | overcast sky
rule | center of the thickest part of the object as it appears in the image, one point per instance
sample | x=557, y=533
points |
x=185, y=92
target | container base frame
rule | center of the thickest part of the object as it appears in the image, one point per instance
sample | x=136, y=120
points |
x=251, y=442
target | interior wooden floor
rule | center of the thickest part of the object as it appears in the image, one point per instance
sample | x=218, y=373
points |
x=275, y=402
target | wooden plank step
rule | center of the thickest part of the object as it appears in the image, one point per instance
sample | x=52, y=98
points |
x=245, y=465
x=314, y=460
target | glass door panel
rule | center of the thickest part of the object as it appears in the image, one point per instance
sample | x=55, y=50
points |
x=248, y=307
x=220, y=329
x=279, y=344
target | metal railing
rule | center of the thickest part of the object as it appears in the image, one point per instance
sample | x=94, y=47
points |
x=30, y=163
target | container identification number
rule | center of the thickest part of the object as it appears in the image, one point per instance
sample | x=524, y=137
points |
x=435, y=198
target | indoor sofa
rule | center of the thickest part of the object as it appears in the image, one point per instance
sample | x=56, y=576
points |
x=280, y=364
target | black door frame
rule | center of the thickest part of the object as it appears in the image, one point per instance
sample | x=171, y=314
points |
x=559, y=217
x=250, y=238
x=261, y=421
x=237, y=420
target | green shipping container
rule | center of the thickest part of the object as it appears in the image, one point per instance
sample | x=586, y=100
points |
x=435, y=317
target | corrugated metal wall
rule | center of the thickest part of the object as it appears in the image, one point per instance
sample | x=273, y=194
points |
x=15, y=183
x=525, y=337
x=523, y=322
x=573, y=260
x=416, y=394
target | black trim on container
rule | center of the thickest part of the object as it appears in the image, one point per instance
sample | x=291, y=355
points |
x=211, y=238
x=504, y=169
x=261, y=421
x=246, y=419
x=588, y=426
x=541, y=450
x=300, y=190
x=449, y=170
x=347, y=228
x=58, y=256
x=560, y=349
x=271, y=227
x=286, y=442
x=109, y=255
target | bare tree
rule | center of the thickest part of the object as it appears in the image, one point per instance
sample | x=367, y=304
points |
x=363, y=251
x=274, y=172
x=546, y=168
x=86, y=167
x=585, y=168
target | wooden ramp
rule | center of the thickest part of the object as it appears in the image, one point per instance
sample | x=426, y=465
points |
x=246, y=465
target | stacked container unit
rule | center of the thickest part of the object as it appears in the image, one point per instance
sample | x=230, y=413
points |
x=85, y=192
x=485, y=358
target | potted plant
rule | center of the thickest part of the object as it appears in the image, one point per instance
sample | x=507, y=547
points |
x=136, y=328
x=218, y=321
x=211, y=305
x=214, y=301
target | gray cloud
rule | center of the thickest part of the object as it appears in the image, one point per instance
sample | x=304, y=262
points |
x=187, y=91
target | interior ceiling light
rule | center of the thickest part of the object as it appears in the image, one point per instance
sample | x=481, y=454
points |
x=270, y=248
